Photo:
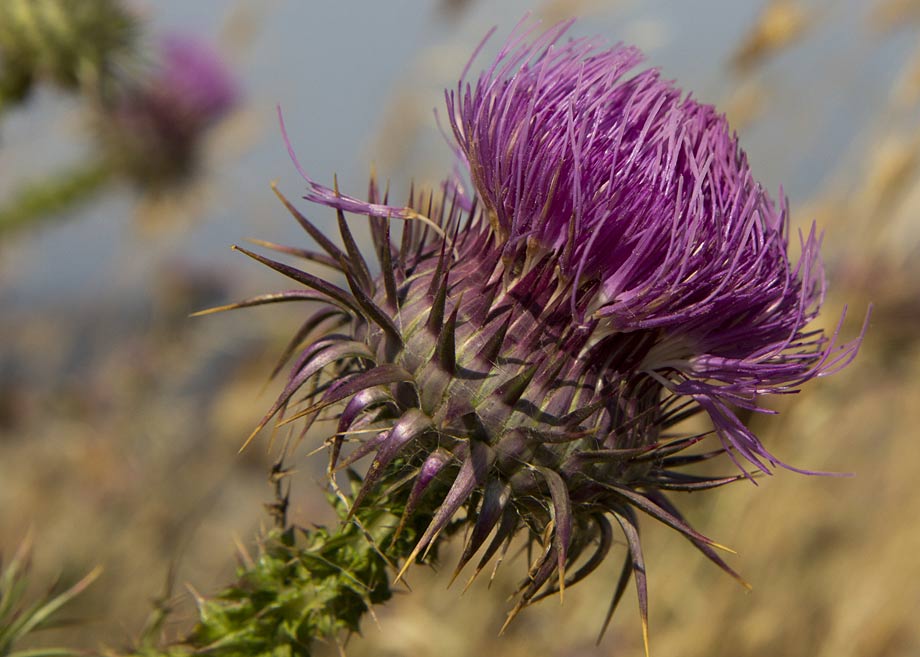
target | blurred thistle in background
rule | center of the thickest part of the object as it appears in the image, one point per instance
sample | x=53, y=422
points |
x=149, y=107
x=152, y=132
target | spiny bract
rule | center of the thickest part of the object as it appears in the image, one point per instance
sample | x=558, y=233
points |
x=521, y=359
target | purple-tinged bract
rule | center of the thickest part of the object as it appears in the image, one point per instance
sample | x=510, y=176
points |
x=524, y=359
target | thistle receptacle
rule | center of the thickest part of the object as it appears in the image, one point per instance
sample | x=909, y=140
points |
x=522, y=361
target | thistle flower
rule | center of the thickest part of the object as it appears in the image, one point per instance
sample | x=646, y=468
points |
x=522, y=363
x=154, y=131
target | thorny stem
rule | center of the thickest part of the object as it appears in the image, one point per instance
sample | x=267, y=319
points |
x=305, y=585
x=41, y=201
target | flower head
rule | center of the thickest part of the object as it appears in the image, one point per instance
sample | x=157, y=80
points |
x=153, y=131
x=519, y=366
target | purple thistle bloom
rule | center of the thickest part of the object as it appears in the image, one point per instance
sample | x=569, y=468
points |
x=648, y=193
x=523, y=354
x=154, y=129
x=192, y=82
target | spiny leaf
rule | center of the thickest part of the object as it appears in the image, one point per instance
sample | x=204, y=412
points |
x=651, y=508
x=387, y=271
x=383, y=374
x=637, y=566
x=581, y=414
x=408, y=428
x=427, y=473
x=305, y=254
x=605, y=541
x=562, y=520
x=538, y=576
x=662, y=500
x=664, y=450
x=370, y=445
x=494, y=500
x=326, y=356
x=361, y=403
x=356, y=262
x=318, y=236
x=492, y=348
x=679, y=481
x=445, y=352
x=512, y=390
x=310, y=325
x=374, y=312
x=618, y=592
x=438, y=291
x=472, y=473
x=334, y=293
x=503, y=535
x=262, y=299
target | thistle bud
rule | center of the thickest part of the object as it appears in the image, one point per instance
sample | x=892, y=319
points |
x=523, y=360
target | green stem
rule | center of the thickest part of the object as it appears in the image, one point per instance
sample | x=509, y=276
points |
x=305, y=585
x=50, y=198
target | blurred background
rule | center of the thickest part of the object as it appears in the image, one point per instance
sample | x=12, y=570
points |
x=121, y=417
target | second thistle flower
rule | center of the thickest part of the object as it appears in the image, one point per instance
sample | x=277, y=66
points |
x=154, y=130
